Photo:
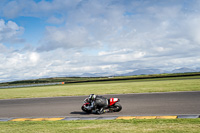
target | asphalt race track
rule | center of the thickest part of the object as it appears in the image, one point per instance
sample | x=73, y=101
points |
x=173, y=103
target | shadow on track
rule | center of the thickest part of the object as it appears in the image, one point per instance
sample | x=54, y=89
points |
x=80, y=113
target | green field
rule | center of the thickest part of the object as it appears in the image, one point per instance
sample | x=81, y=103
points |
x=104, y=126
x=92, y=79
x=171, y=84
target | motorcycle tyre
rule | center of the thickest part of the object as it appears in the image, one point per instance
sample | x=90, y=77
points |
x=87, y=111
x=117, y=107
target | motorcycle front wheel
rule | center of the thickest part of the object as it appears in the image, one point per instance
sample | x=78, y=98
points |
x=85, y=110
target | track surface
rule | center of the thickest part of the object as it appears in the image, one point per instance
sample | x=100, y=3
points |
x=176, y=103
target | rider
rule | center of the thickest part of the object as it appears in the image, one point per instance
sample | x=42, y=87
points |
x=97, y=103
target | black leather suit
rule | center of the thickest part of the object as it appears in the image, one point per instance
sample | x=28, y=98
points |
x=100, y=103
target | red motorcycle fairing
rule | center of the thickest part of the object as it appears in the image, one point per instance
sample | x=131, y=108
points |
x=86, y=104
x=113, y=101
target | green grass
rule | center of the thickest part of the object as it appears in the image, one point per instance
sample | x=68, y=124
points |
x=106, y=87
x=99, y=126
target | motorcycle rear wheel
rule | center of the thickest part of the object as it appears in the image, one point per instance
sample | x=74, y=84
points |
x=117, y=107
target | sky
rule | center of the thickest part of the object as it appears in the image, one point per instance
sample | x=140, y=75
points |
x=57, y=38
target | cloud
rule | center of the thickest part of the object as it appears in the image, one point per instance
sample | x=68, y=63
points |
x=55, y=20
x=194, y=28
x=31, y=8
x=61, y=62
x=92, y=36
x=120, y=56
x=162, y=25
x=3, y=48
x=75, y=37
x=10, y=31
x=34, y=57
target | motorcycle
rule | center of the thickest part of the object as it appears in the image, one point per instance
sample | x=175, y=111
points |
x=113, y=106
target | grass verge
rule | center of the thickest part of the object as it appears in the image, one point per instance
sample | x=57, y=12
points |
x=93, y=79
x=97, y=126
x=105, y=87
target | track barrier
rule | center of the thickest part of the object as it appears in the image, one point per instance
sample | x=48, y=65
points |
x=31, y=85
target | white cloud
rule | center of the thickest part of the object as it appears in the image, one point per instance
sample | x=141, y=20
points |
x=34, y=57
x=55, y=20
x=30, y=8
x=123, y=55
x=3, y=48
x=72, y=37
x=10, y=31
x=123, y=35
x=60, y=62
x=193, y=28
x=94, y=24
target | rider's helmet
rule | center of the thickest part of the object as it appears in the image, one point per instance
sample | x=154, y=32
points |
x=92, y=97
